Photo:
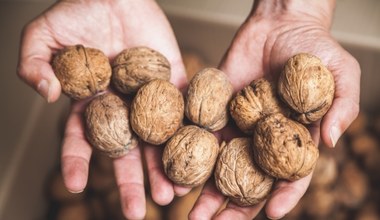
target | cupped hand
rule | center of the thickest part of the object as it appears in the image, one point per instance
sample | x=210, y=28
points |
x=111, y=26
x=269, y=37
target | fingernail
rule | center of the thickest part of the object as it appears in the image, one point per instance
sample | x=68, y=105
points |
x=43, y=89
x=275, y=218
x=76, y=192
x=334, y=134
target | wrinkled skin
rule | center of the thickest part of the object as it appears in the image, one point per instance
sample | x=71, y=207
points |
x=111, y=26
x=262, y=45
x=272, y=34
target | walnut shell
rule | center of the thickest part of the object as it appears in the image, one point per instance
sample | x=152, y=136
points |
x=157, y=111
x=207, y=99
x=283, y=148
x=325, y=172
x=353, y=185
x=82, y=71
x=136, y=66
x=107, y=125
x=320, y=203
x=307, y=86
x=238, y=177
x=190, y=155
x=253, y=102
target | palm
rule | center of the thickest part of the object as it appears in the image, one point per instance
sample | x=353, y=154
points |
x=110, y=27
x=260, y=49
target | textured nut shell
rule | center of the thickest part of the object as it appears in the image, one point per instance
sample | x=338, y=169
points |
x=107, y=125
x=307, y=86
x=190, y=155
x=157, y=111
x=136, y=66
x=353, y=185
x=207, y=99
x=283, y=148
x=325, y=172
x=238, y=177
x=82, y=71
x=253, y=102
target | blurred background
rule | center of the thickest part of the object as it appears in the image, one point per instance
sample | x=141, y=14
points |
x=346, y=182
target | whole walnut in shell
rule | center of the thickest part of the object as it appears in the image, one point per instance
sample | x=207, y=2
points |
x=157, y=111
x=253, y=102
x=82, y=71
x=190, y=155
x=136, y=66
x=238, y=177
x=283, y=148
x=307, y=86
x=325, y=171
x=207, y=99
x=107, y=125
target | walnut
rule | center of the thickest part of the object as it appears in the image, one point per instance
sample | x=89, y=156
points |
x=325, y=172
x=107, y=125
x=207, y=99
x=320, y=203
x=157, y=111
x=307, y=86
x=82, y=71
x=352, y=186
x=253, y=102
x=283, y=148
x=136, y=66
x=238, y=177
x=190, y=155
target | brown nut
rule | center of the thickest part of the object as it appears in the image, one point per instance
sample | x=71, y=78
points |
x=320, y=203
x=82, y=71
x=207, y=99
x=253, y=102
x=136, y=66
x=353, y=185
x=307, y=86
x=283, y=148
x=107, y=125
x=325, y=172
x=190, y=155
x=157, y=111
x=238, y=177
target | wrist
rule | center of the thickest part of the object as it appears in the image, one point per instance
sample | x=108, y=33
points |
x=319, y=11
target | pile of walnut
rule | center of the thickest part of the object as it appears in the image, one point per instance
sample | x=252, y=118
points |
x=277, y=146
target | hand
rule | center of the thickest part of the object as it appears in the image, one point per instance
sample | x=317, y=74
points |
x=275, y=31
x=111, y=26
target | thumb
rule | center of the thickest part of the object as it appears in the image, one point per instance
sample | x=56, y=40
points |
x=34, y=67
x=345, y=107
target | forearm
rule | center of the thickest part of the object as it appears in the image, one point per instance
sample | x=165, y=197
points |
x=320, y=11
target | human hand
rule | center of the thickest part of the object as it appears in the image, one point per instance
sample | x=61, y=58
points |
x=275, y=31
x=111, y=26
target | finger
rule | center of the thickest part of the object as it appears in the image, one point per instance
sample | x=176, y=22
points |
x=76, y=152
x=130, y=180
x=34, y=67
x=286, y=194
x=161, y=187
x=208, y=202
x=345, y=107
x=233, y=211
x=285, y=197
x=181, y=190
